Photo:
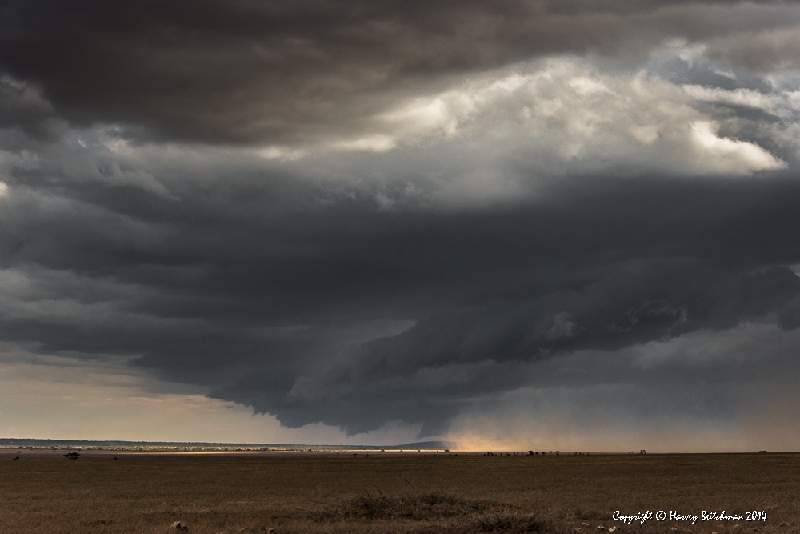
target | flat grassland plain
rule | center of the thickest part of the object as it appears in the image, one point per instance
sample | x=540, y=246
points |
x=388, y=492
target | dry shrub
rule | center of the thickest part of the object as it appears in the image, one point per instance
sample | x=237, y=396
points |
x=412, y=506
x=513, y=524
x=434, y=511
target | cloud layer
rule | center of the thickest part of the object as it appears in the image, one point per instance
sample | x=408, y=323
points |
x=443, y=219
x=246, y=71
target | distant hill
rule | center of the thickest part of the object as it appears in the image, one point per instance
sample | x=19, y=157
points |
x=8, y=443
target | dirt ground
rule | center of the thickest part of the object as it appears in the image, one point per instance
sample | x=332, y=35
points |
x=294, y=492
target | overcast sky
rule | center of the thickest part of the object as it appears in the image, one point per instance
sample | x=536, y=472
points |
x=523, y=224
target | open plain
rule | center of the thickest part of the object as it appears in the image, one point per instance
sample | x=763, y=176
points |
x=384, y=493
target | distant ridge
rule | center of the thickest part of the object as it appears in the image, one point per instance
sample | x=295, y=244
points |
x=8, y=443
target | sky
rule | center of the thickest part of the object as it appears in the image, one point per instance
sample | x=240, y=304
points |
x=520, y=225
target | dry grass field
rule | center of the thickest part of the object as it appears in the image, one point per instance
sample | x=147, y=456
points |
x=386, y=493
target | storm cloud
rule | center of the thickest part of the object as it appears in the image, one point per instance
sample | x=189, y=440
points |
x=431, y=215
x=266, y=72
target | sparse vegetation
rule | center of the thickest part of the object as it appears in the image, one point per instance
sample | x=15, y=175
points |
x=433, y=505
x=386, y=494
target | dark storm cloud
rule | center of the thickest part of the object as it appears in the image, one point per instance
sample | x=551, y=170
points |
x=255, y=72
x=23, y=108
x=760, y=50
x=302, y=309
x=493, y=246
x=567, y=296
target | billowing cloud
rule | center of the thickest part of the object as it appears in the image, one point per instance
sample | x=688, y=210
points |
x=251, y=72
x=575, y=118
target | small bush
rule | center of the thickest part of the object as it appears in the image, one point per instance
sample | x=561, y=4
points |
x=418, y=507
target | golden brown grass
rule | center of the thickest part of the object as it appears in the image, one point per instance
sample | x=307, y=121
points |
x=392, y=493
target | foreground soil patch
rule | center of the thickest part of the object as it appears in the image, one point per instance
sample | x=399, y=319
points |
x=416, y=494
